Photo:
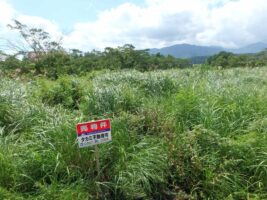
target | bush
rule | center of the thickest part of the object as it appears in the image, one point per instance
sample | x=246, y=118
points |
x=112, y=99
x=66, y=91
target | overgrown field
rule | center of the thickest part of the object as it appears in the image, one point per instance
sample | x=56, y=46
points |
x=177, y=134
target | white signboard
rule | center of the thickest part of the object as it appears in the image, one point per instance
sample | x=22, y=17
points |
x=92, y=133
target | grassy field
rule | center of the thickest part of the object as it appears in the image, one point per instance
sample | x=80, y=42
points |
x=177, y=134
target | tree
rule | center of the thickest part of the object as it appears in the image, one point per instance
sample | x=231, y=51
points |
x=220, y=59
x=36, y=43
x=37, y=40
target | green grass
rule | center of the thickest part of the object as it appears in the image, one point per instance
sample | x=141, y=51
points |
x=176, y=134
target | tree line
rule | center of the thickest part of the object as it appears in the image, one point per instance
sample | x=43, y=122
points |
x=227, y=59
x=41, y=55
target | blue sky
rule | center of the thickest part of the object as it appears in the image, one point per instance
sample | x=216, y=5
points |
x=68, y=12
x=96, y=24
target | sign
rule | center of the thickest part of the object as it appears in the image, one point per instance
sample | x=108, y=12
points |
x=92, y=133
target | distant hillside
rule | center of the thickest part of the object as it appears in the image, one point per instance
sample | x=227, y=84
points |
x=252, y=48
x=191, y=51
x=187, y=50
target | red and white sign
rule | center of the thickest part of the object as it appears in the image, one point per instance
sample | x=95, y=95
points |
x=92, y=133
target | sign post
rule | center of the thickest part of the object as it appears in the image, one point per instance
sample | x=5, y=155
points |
x=97, y=160
x=94, y=133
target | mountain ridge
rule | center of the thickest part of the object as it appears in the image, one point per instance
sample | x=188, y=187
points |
x=189, y=50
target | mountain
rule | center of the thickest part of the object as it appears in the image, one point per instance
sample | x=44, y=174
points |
x=187, y=50
x=252, y=48
x=190, y=51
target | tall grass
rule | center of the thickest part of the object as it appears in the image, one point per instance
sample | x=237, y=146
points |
x=177, y=134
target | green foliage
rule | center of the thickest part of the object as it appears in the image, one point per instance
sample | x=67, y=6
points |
x=60, y=191
x=227, y=59
x=11, y=63
x=185, y=108
x=67, y=91
x=141, y=169
x=194, y=160
x=176, y=134
x=111, y=100
x=158, y=85
x=53, y=63
x=5, y=194
x=222, y=59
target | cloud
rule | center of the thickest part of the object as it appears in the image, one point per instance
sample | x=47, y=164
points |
x=152, y=25
x=39, y=22
x=158, y=23
x=229, y=23
x=236, y=23
x=8, y=13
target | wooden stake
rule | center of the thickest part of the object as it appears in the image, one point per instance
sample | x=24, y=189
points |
x=97, y=167
x=97, y=160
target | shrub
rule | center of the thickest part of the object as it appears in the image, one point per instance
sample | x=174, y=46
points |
x=66, y=91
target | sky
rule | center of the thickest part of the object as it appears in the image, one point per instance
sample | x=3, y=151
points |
x=96, y=24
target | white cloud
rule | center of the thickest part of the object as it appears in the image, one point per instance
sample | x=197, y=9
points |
x=229, y=23
x=8, y=13
x=236, y=23
x=39, y=22
x=159, y=23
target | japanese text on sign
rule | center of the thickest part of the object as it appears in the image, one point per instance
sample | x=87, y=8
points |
x=92, y=133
